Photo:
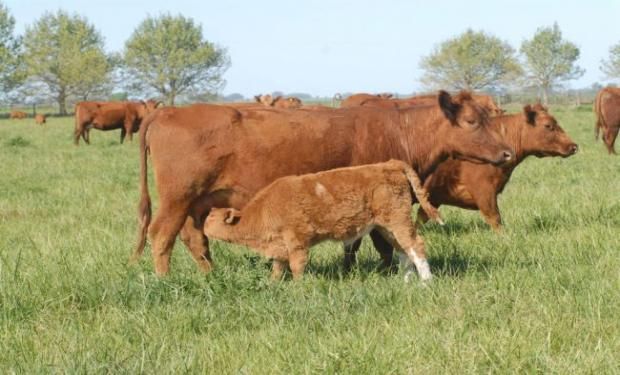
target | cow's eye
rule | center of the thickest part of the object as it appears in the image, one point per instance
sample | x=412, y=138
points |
x=549, y=127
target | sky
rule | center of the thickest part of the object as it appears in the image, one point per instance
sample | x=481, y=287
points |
x=325, y=47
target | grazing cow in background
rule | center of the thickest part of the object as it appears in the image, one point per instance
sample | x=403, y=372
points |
x=356, y=100
x=40, y=119
x=485, y=101
x=278, y=101
x=207, y=156
x=293, y=213
x=476, y=186
x=18, y=115
x=607, y=110
x=126, y=116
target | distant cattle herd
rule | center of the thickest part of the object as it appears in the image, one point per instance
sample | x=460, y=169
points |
x=280, y=176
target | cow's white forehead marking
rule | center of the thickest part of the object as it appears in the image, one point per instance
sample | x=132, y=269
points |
x=319, y=189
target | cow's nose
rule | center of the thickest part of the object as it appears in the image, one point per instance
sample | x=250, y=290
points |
x=573, y=149
x=507, y=156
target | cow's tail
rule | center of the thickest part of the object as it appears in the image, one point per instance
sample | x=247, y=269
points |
x=600, y=121
x=144, y=207
x=78, y=128
x=422, y=194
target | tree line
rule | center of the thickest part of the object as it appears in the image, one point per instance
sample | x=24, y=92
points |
x=62, y=56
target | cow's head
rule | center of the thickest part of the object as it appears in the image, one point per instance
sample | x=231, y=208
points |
x=290, y=102
x=467, y=134
x=489, y=105
x=151, y=105
x=541, y=135
x=266, y=100
x=221, y=222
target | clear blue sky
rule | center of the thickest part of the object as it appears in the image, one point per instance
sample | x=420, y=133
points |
x=322, y=47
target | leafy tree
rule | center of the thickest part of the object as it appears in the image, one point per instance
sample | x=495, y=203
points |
x=473, y=60
x=10, y=54
x=550, y=60
x=169, y=56
x=65, y=52
x=611, y=67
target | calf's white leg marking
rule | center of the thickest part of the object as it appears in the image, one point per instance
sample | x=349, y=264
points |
x=421, y=264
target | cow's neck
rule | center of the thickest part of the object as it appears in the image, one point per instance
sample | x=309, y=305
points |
x=513, y=136
x=417, y=143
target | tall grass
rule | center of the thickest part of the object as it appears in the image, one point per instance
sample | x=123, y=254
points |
x=543, y=296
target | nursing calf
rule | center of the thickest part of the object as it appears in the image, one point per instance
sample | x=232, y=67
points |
x=294, y=213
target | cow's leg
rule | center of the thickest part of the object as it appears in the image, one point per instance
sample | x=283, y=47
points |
x=77, y=133
x=277, y=269
x=197, y=243
x=487, y=203
x=86, y=135
x=350, y=254
x=163, y=232
x=123, y=134
x=298, y=258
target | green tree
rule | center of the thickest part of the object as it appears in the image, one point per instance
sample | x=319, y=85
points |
x=10, y=54
x=473, y=60
x=611, y=67
x=65, y=52
x=169, y=56
x=550, y=60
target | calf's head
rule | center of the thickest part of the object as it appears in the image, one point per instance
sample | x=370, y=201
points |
x=542, y=135
x=467, y=135
x=221, y=223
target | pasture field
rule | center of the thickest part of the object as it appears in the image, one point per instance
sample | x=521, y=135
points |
x=543, y=296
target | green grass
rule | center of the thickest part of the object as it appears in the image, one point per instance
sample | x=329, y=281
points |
x=543, y=297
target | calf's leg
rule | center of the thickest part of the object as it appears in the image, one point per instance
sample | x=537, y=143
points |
x=277, y=269
x=298, y=258
x=350, y=254
x=411, y=244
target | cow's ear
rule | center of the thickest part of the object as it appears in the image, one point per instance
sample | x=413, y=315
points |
x=530, y=114
x=257, y=98
x=159, y=104
x=448, y=106
x=291, y=99
x=232, y=216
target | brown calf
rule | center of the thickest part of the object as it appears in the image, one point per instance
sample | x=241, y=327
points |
x=476, y=186
x=18, y=115
x=607, y=110
x=293, y=213
x=40, y=119
x=207, y=156
x=126, y=116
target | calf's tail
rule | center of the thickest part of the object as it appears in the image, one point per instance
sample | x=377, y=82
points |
x=144, y=207
x=422, y=194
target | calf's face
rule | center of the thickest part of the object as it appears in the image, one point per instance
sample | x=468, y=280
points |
x=542, y=135
x=220, y=222
x=468, y=135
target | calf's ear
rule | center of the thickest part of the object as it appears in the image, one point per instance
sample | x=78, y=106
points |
x=448, y=106
x=232, y=216
x=257, y=98
x=530, y=114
